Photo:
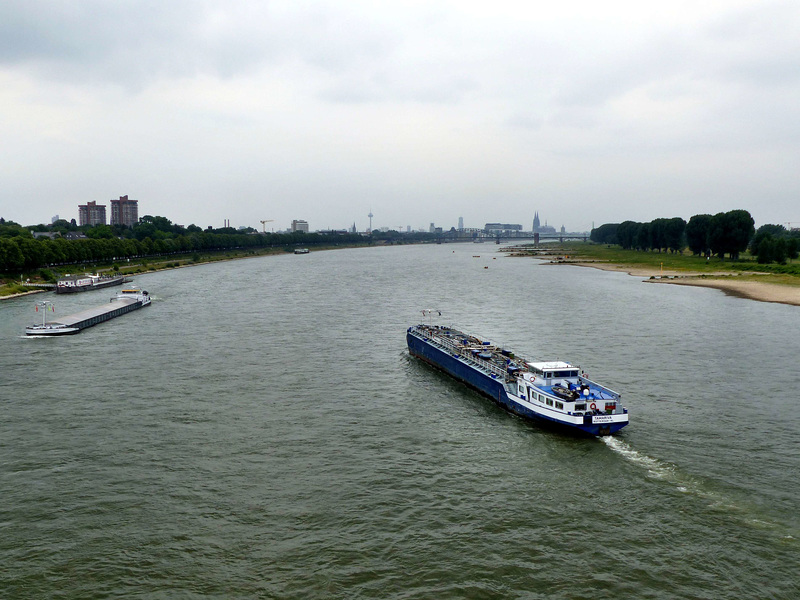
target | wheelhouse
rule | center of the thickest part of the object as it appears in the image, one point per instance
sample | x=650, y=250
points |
x=552, y=372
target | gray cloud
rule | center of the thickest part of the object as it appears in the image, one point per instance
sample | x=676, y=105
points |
x=336, y=107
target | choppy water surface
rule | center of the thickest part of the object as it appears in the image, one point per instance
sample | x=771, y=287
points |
x=260, y=431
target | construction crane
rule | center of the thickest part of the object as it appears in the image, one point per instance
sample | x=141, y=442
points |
x=264, y=224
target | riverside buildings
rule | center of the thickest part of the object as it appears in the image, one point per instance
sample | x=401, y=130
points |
x=91, y=213
x=124, y=211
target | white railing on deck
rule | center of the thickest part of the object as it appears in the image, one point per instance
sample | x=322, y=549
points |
x=464, y=352
x=602, y=388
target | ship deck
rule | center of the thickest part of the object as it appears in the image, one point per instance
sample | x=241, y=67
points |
x=78, y=318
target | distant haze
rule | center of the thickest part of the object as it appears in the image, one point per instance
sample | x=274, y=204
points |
x=418, y=111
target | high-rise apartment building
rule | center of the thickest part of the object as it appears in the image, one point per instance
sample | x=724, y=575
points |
x=91, y=213
x=124, y=211
x=299, y=225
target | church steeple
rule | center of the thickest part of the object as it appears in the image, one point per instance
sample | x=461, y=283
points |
x=536, y=223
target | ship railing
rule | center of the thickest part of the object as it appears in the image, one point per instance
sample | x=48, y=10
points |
x=465, y=352
x=597, y=386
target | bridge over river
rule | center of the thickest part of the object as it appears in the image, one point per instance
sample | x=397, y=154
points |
x=519, y=235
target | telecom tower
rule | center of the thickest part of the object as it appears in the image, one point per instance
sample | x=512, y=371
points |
x=370, y=215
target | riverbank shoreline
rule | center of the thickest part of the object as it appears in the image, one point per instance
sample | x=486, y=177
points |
x=740, y=285
x=22, y=294
x=154, y=267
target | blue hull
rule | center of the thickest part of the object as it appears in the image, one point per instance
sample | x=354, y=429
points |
x=492, y=386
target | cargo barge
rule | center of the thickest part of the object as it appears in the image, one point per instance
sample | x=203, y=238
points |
x=556, y=393
x=124, y=302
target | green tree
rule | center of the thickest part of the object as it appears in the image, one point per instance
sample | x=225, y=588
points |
x=697, y=233
x=792, y=247
x=771, y=229
x=605, y=234
x=762, y=248
x=674, y=230
x=11, y=257
x=643, y=239
x=159, y=223
x=657, y=234
x=731, y=232
x=779, y=251
x=100, y=232
x=627, y=232
x=144, y=230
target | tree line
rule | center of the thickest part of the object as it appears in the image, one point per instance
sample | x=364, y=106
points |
x=658, y=234
x=21, y=251
x=729, y=233
x=774, y=243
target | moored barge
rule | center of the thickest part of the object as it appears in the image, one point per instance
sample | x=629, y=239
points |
x=552, y=392
x=124, y=302
x=70, y=284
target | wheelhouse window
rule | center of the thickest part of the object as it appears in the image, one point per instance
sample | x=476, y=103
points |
x=565, y=374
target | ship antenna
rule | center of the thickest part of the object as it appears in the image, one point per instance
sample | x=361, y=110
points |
x=430, y=312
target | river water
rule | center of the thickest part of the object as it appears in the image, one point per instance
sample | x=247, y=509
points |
x=260, y=431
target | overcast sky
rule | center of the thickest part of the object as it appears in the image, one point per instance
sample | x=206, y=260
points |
x=585, y=111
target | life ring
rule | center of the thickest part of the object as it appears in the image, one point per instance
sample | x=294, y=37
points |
x=593, y=406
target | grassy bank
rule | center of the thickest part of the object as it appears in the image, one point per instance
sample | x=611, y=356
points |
x=10, y=285
x=685, y=263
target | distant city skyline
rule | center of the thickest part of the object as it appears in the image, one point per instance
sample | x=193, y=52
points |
x=125, y=211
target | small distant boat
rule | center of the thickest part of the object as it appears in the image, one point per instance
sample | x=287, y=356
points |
x=301, y=250
x=69, y=284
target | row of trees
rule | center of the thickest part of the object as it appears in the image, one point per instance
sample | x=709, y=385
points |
x=20, y=251
x=658, y=234
x=724, y=233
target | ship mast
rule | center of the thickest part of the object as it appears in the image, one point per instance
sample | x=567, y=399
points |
x=430, y=312
x=45, y=306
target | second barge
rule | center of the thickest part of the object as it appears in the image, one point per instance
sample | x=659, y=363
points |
x=75, y=283
x=124, y=302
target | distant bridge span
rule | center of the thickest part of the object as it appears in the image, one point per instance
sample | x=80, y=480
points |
x=525, y=235
x=483, y=236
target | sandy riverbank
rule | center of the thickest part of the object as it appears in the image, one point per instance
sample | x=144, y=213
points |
x=22, y=294
x=742, y=286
